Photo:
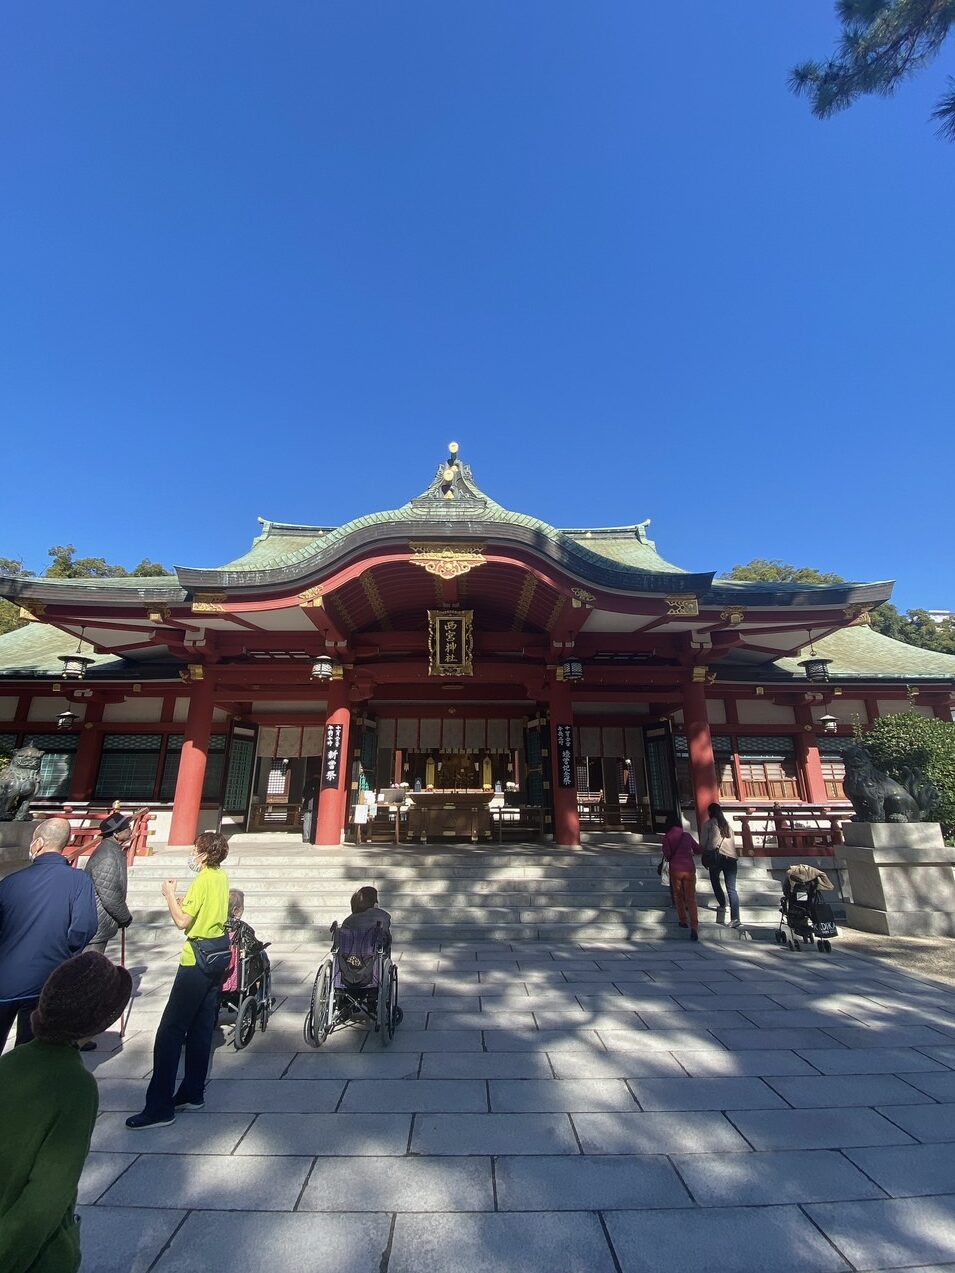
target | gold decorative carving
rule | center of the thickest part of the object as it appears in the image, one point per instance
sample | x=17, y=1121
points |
x=158, y=614
x=734, y=615
x=448, y=561
x=310, y=597
x=859, y=616
x=699, y=674
x=528, y=588
x=370, y=589
x=683, y=603
x=193, y=672
x=208, y=603
x=582, y=595
x=450, y=642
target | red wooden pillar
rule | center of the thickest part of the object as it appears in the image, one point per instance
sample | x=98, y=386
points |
x=333, y=800
x=86, y=764
x=192, y=767
x=810, y=763
x=566, y=811
x=706, y=789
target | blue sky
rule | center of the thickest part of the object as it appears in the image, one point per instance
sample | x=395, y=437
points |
x=269, y=259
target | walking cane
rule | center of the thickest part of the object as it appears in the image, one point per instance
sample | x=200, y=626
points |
x=124, y=1019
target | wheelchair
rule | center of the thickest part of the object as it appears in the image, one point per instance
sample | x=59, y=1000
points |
x=356, y=984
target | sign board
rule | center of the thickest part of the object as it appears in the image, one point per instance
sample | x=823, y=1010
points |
x=361, y=815
x=332, y=760
x=451, y=642
x=565, y=756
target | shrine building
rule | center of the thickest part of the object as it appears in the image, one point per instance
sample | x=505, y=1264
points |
x=448, y=670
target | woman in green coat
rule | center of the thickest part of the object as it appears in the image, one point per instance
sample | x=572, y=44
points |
x=48, y=1105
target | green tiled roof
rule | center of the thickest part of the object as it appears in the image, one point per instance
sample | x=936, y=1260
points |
x=33, y=650
x=857, y=653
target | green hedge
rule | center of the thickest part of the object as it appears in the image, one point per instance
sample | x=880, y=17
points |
x=911, y=741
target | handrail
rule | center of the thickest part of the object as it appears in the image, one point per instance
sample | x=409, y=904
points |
x=780, y=831
x=85, y=839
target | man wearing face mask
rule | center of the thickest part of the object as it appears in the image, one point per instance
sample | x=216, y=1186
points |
x=47, y=915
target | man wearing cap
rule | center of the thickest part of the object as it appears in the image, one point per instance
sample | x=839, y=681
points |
x=48, y=1105
x=107, y=869
x=47, y=915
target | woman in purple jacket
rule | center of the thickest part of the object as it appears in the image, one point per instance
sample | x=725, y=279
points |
x=678, y=849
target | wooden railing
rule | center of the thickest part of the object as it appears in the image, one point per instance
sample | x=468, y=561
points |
x=85, y=838
x=804, y=830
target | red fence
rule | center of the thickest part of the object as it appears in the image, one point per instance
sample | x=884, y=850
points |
x=85, y=838
x=802, y=830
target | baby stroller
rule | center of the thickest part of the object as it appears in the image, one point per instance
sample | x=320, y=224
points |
x=357, y=982
x=803, y=911
x=247, y=990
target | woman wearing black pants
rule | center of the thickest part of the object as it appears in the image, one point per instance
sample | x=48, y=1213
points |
x=717, y=837
x=190, y=1015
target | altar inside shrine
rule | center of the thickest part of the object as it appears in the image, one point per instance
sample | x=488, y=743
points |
x=456, y=815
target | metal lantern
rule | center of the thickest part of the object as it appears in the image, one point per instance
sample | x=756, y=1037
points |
x=66, y=719
x=830, y=724
x=75, y=665
x=817, y=669
x=323, y=669
x=573, y=670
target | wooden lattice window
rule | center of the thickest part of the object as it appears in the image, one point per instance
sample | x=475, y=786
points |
x=767, y=767
x=833, y=775
x=722, y=760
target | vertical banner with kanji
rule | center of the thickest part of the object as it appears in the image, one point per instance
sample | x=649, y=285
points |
x=565, y=756
x=332, y=761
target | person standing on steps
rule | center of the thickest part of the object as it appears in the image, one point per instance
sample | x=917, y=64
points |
x=189, y=1018
x=47, y=915
x=678, y=849
x=718, y=838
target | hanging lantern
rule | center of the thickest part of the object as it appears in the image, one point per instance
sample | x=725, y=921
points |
x=817, y=669
x=572, y=670
x=324, y=668
x=75, y=665
x=830, y=724
x=66, y=719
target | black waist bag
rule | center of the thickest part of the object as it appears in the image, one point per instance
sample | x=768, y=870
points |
x=213, y=956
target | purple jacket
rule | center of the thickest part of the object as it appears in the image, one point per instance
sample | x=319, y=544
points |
x=678, y=849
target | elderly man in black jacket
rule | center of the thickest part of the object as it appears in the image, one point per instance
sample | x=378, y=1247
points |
x=106, y=867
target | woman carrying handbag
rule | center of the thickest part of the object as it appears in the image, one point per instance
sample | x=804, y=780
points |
x=720, y=857
x=678, y=850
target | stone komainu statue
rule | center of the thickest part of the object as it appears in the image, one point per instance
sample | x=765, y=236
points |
x=878, y=798
x=18, y=784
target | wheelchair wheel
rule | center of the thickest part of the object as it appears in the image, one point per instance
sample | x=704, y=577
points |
x=245, y=1023
x=265, y=1010
x=316, y=1023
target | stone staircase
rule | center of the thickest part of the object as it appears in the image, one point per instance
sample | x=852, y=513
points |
x=515, y=892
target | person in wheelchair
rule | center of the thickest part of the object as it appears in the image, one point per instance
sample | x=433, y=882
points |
x=357, y=982
x=247, y=989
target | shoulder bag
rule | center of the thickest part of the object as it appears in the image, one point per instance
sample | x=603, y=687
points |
x=213, y=956
x=711, y=857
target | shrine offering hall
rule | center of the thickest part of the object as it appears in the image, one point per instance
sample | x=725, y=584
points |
x=447, y=671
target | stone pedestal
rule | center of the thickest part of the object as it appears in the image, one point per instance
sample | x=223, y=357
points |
x=15, y=840
x=901, y=877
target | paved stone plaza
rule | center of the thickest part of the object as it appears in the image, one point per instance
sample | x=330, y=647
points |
x=583, y=1109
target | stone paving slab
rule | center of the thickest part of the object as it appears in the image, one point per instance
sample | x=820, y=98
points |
x=256, y=1096
x=223, y=1184
x=99, y=1172
x=588, y=1183
x=496, y=1243
x=786, y=1176
x=399, y=1184
x=493, y=1134
x=837, y=1129
x=556, y=1095
x=842, y=1091
x=895, y=1233
x=665, y=1133
x=485, y=1065
x=329, y=1065
x=124, y=1239
x=941, y=1087
x=870, y=1060
x=906, y=1171
x=737, y=1239
x=207, y=1134
x=252, y=1242
x=704, y=1094
x=754, y=1064
x=445, y=1096
x=613, y=1065
x=927, y=1123
x=346, y=1135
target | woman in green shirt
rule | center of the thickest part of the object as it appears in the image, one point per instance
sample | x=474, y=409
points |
x=189, y=1018
x=48, y=1105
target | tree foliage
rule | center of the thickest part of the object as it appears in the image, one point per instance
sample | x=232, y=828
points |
x=915, y=627
x=64, y=564
x=911, y=741
x=882, y=43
